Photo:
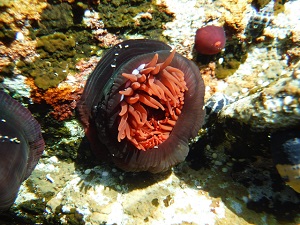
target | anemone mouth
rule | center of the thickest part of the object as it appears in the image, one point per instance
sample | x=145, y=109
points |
x=151, y=103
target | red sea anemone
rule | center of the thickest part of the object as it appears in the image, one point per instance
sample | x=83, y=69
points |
x=21, y=145
x=145, y=103
x=210, y=40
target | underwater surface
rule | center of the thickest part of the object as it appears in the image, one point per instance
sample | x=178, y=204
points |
x=150, y=112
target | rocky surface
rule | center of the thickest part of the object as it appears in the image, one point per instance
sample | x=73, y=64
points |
x=228, y=177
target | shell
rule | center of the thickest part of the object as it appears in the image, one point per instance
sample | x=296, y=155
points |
x=216, y=103
x=21, y=145
x=105, y=104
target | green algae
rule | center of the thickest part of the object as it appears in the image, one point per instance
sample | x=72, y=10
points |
x=33, y=207
x=5, y=3
x=227, y=68
x=55, y=59
x=60, y=43
x=62, y=39
x=72, y=217
x=66, y=151
x=259, y=4
x=60, y=138
x=278, y=5
x=7, y=35
x=85, y=46
x=137, y=16
x=55, y=18
x=155, y=202
x=235, y=54
x=6, y=71
x=58, y=54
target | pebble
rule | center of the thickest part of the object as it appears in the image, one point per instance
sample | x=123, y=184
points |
x=224, y=170
x=66, y=209
x=244, y=90
x=105, y=174
x=49, y=178
x=288, y=100
x=221, y=60
x=229, y=164
x=87, y=13
x=19, y=36
x=265, y=66
x=87, y=172
x=218, y=163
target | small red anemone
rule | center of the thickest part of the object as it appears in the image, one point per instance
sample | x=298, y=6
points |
x=210, y=40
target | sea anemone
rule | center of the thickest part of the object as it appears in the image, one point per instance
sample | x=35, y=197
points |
x=210, y=40
x=144, y=102
x=21, y=145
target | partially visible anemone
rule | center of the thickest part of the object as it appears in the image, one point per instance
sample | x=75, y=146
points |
x=21, y=145
x=143, y=102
